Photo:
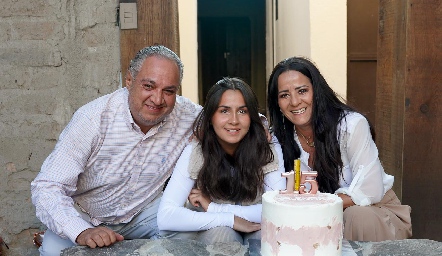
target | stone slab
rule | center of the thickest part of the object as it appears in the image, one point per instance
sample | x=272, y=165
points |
x=407, y=247
x=163, y=247
x=171, y=247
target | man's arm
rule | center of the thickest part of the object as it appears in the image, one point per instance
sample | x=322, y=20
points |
x=53, y=187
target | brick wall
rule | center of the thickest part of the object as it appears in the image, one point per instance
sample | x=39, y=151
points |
x=55, y=56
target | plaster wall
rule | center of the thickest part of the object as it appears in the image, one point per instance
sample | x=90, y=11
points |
x=315, y=29
x=187, y=12
x=328, y=41
x=55, y=56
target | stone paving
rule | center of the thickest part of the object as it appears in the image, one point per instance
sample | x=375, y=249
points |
x=140, y=247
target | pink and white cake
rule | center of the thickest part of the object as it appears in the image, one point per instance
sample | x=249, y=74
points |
x=301, y=224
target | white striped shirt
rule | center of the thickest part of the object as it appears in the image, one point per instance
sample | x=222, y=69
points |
x=107, y=165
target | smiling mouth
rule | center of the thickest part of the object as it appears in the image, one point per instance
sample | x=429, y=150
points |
x=154, y=108
x=299, y=111
x=232, y=130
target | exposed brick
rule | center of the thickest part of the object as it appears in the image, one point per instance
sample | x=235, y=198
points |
x=35, y=30
x=91, y=13
x=44, y=78
x=13, y=77
x=30, y=78
x=34, y=8
x=30, y=54
x=5, y=31
x=27, y=103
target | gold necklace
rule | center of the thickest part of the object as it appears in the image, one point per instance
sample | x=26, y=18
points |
x=310, y=144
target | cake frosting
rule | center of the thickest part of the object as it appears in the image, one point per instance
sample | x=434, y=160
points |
x=301, y=224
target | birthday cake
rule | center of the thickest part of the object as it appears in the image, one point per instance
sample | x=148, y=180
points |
x=301, y=224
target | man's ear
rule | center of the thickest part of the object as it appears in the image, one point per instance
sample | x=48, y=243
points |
x=128, y=80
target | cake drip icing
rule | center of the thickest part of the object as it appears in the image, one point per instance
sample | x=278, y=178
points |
x=307, y=238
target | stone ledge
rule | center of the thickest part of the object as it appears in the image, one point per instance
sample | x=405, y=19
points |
x=171, y=247
x=407, y=247
x=166, y=247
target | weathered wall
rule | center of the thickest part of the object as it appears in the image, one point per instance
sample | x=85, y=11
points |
x=55, y=55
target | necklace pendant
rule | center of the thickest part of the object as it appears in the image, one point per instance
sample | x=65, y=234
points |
x=307, y=140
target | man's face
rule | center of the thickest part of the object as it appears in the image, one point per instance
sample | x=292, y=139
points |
x=152, y=93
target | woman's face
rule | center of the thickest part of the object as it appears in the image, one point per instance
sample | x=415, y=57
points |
x=295, y=97
x=231, y=121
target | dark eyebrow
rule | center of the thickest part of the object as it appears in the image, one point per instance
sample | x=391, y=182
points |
x=297, y=88
x=222, y=106
x=300, y=87
x=172, y=87
x=147, y=80
x=283, y=91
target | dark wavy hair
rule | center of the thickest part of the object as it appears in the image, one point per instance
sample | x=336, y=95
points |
x=328, y=111
x=237, y=178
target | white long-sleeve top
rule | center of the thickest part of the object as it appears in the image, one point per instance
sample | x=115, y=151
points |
x=363, y=177
x=173, y=216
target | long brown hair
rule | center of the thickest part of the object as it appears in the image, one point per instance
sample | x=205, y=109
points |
x=237, y=178
x=328, y=111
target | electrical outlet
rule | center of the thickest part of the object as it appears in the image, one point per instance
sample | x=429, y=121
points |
x=128, y=15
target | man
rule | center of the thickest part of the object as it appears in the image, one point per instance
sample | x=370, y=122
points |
x=102, y=183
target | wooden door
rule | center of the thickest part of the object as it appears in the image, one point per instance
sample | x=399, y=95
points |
x=362, y=23
x=409, y=106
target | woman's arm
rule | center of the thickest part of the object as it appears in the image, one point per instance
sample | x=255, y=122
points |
x=173, y=216
x=367, y=185
x=346, y=200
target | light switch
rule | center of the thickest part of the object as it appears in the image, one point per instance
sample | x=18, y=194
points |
x=128, y=15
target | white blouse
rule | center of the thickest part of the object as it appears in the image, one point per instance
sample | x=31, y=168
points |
x=173, y=216
x=363, y=177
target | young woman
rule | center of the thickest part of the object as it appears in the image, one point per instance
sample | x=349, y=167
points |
x=225, y=170
x=313, y=124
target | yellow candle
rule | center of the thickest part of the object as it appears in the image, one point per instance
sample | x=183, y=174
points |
x=297, y=167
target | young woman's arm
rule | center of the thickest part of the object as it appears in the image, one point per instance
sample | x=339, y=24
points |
x=173, y=216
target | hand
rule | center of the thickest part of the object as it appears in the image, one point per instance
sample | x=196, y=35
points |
x=98, y=237
x=265, y=123
x=198, y=199
x=346, y=200
x=268, y=135
x=240, y=224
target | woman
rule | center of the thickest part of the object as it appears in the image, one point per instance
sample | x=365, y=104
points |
x=313, y=124
x=225, y=170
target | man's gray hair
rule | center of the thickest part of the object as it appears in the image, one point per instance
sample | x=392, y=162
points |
x=155, y=50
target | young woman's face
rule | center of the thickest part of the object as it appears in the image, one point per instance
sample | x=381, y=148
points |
x=231, y=121
x=295, y=97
